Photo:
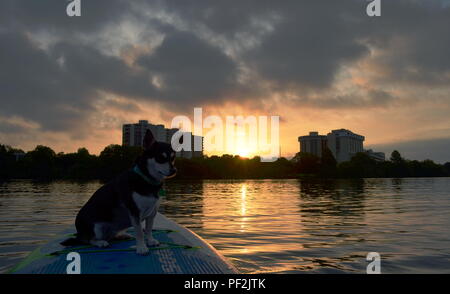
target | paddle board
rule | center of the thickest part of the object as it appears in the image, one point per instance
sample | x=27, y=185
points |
x=181, y=252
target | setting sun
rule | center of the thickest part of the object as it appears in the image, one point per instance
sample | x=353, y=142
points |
x=244, y=153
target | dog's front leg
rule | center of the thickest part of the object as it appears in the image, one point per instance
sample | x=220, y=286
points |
x=141, y=247
x=149, y=226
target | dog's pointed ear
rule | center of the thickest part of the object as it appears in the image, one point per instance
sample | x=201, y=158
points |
x=149, y=140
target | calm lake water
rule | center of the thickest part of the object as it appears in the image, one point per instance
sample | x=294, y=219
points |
x=267, y=226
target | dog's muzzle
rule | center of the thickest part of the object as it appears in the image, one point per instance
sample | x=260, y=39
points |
x=173, y=172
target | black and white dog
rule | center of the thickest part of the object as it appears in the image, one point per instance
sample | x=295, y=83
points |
x=131, y=199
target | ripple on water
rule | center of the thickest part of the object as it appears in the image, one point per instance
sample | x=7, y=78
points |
x=267, y=226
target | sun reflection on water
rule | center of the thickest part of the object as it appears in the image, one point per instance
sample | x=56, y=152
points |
x=266, y=226
x=243, y=206
x=252, y=217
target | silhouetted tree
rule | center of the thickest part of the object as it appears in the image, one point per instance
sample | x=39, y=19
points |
x=328, y=163
x=447, y=168
x=360, y=166
x=6, y=161
x=43, y=163
x=398, y=166
x=307, y=163
x=115, y=159
x=396, y=157
x=40, y=163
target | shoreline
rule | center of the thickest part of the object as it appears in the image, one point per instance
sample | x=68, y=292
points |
x=37, y=180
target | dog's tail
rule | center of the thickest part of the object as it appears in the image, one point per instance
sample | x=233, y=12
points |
x=72, y=242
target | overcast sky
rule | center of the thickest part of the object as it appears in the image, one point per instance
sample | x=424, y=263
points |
x=321, y=65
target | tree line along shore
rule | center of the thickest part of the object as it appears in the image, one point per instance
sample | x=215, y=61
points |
x=43, y=163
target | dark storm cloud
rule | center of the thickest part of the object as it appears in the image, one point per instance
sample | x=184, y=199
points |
x=304, y=46
x=33, y=83
x=220, y=16
x=191, y=70
x=34, y=86
x=57, y=88
x=51, y=14
x=312, y=39
x=415, y=39
x=308, y=46
x=96, y=71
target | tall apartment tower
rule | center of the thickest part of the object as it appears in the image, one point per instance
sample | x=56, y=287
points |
x=313, y=143
x=133, y=135
x=344, y=144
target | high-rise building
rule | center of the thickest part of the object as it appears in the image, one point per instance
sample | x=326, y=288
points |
x=133, y=135
x=344, y=144
x=313, y=143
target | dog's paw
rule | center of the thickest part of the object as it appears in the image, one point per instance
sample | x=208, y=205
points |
x=123, y=236
x=142, y=250
x=100, y=243
x=152, y=242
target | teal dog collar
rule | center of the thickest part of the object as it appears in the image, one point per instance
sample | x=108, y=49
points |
x=153, y=182
x=161, y=192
